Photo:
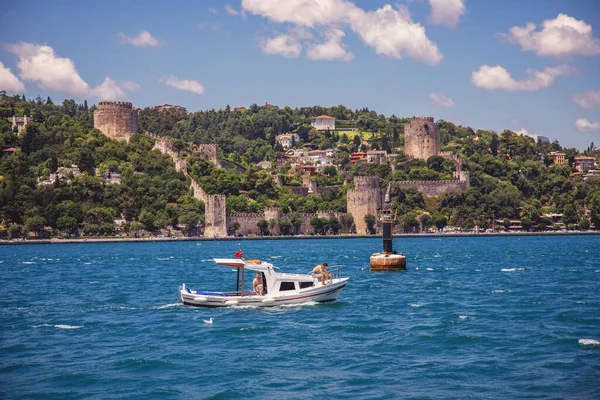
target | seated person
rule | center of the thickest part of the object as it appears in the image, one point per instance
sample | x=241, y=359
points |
x=320, y=272
x=257, y=284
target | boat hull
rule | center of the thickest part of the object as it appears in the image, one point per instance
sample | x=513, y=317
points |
x=319, y=294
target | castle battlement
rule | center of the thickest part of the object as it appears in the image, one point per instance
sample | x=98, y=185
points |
x=426, y=119
x=116, y=119
x=366, y=182
x=451, y=182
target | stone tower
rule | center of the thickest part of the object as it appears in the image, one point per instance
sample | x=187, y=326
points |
x=364, y=199
x=421, y=138
x=116, y=119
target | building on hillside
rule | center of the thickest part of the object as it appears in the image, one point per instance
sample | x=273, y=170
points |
x=264, y=164
x=10, y=150
x=239, y=108
x=166, y=107
x=280, y=160
x=364, y=146
x=584, y=163
x=323, y=123
x=359, y=156
x=558, y=157
x=376, y=156
x=116, y=119
x=592, y=173
x=287, y=140
x=20, y=123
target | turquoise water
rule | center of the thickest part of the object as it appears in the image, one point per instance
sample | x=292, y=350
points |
x=482, y=318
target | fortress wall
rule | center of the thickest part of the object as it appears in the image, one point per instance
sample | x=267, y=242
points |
x=321, y=191
x=247, y=222
x=433, y=188
x=364, y=199
x=116, y=119
x=299, y=190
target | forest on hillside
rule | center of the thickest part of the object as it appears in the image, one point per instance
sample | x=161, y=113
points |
x=512, y=176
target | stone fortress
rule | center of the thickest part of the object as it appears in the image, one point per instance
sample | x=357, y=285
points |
x=116, y=119
x=421, y=138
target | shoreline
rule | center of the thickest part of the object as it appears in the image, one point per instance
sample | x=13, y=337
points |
x=297, y=237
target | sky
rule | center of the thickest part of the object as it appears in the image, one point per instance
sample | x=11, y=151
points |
x=529, y=66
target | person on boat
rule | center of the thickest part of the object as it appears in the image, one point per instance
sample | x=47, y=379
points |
x=257, y=284
x=320, y=272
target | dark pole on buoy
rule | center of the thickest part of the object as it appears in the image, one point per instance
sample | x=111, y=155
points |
x=388, y=259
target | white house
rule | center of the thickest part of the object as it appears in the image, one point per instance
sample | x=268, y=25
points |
x=323, y=122
x=286, y=140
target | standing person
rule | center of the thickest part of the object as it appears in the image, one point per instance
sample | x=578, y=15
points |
x=257, y=284
x=320, y=272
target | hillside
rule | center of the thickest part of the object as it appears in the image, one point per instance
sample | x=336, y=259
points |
x=511, y=176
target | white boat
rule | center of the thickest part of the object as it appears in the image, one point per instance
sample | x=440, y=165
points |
x=279, y=288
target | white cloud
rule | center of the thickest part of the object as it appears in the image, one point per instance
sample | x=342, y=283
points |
x=285, y=45
x=130, y=86
x=8, y=80
x=213, y=10
x=331, y=49
x=440, y=100
x=39, y=63
x=182, y=84
x=498, y=78
x=559, y=37
x=142, y=39
x=389, y=31
x=588, y=99
x=108, y=90
x=446, y=12
x=230, y=10
x=392, y=35
x=583, y=125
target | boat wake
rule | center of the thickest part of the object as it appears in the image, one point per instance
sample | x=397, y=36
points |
x=512, y=269
x=58, y=326
x=589, y=342
x=167, y=306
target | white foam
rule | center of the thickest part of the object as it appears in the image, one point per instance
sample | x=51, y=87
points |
x=168, y=306
x=428, y=269
x=463, y=317
x=58, y=326
x=28, y=262
x=497, y=291
x=87, y=263
x=512, y=269
x=416, y=305
x=589, y=342
x=276, y=256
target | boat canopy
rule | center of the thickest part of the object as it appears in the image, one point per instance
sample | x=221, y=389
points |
x=253, y=265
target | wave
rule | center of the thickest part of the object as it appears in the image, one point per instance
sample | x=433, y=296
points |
x=58, y=326
x=498, y=291
x=28, y=262
x=429, y=269
x=416, y=305
x=168, y=306
x=512, y=269
x=589, y=342
x=463, y=316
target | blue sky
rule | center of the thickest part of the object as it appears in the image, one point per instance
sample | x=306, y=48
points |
x=531, y=65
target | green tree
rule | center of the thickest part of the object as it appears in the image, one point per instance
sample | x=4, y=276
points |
x=440, y=222
x=370, y=220
x=285, y=226
x=526, y=223
x=263, y=225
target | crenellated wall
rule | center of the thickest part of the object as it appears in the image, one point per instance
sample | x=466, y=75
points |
x=364, y=199
x=433, y=188
x=116, y=119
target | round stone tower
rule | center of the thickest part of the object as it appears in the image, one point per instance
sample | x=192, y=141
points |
x=421, y=138
x=364, y=199
x=116, y=119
